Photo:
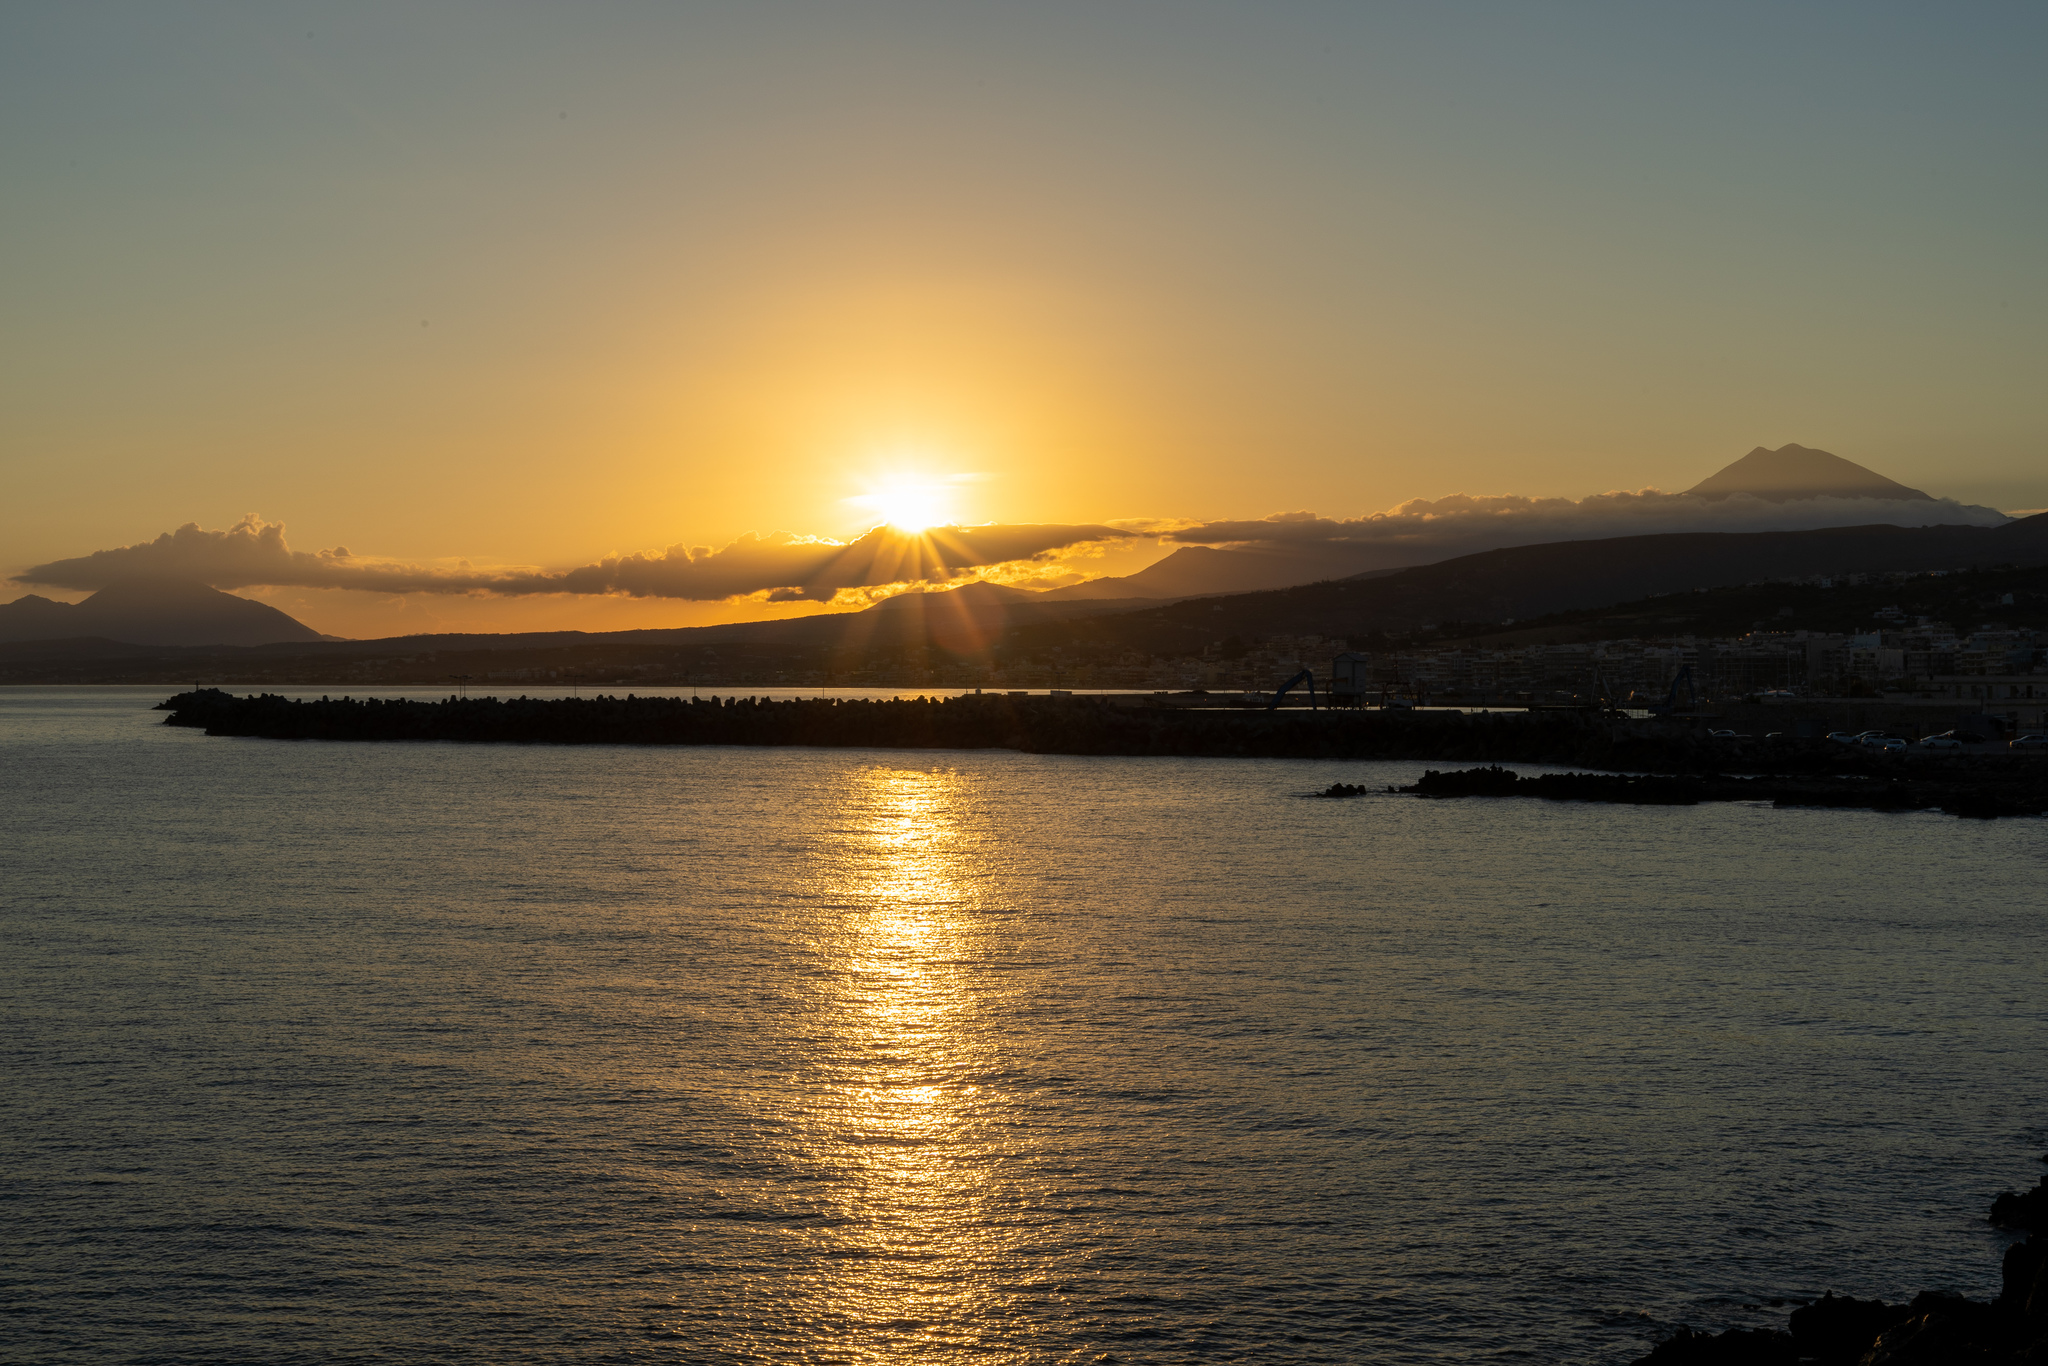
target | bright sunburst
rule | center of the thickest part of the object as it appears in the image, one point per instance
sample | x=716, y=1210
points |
x=908, y=505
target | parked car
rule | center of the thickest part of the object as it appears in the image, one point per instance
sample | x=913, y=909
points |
x=2029, y=742
x=1947, y=741
x=1844, y=737
x=1885, y=742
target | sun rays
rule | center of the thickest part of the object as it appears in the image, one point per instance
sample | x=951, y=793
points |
x=908, y=504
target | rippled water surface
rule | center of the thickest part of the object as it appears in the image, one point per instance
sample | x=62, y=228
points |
x=421, y=1053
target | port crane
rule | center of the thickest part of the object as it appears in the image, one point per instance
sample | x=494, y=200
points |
x=1305, y=676
x=1669, y=705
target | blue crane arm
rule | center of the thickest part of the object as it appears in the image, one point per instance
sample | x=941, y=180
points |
x=1670, y=703
x=1305, y=676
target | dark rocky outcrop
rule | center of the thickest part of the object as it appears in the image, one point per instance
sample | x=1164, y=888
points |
x=1959, y=792
x=2025, y=1213
x=1346, y=790
x=1836, y=1329
x=1630, y=789
x=1749, y=1346
x=1932, y=1329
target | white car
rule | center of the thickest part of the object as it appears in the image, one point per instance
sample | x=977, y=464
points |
x=2028, y=742
x=1844, y=737
x=1940, y=742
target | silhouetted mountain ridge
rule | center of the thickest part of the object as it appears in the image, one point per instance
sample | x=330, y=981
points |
x=1535, y=580
x=1793, y=471
x=153, y=612
x=1196, y=570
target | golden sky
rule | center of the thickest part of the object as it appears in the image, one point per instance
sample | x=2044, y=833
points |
x=532, y=286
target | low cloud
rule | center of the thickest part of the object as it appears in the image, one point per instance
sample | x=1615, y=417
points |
x=1422, y=531
x=787, y=568
x=796, y=568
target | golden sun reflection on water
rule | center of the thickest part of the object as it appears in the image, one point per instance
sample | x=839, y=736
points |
x=914, y=1042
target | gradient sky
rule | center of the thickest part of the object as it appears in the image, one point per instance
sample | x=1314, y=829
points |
x=530, y=285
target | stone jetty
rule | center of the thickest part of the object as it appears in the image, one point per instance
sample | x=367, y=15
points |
x=1827, y=774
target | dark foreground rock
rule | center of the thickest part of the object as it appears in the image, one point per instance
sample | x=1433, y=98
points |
x=1346, y=790
x=1931, y=1329
x=2023, y=1213
x=1981, y=795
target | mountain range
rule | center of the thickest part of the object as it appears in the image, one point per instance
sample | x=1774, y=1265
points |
x=1209, y=591
x=1788, y=474
x=1497, y=587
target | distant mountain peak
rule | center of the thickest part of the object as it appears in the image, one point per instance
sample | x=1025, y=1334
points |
x=153, y=612
x=1794, y=471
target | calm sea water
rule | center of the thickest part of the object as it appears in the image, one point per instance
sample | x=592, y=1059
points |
x=395, y=1053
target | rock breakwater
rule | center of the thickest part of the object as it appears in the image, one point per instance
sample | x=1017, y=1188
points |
x=1827, y=774
x=1039, y=725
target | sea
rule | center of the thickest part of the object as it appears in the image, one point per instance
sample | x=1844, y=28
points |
x=333, y=1052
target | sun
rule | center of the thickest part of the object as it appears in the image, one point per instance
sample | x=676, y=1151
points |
x=907, y=505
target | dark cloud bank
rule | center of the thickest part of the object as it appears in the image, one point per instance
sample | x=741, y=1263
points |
x=788, y=568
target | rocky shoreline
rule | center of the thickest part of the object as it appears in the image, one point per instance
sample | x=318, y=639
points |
x=1931, y=1329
